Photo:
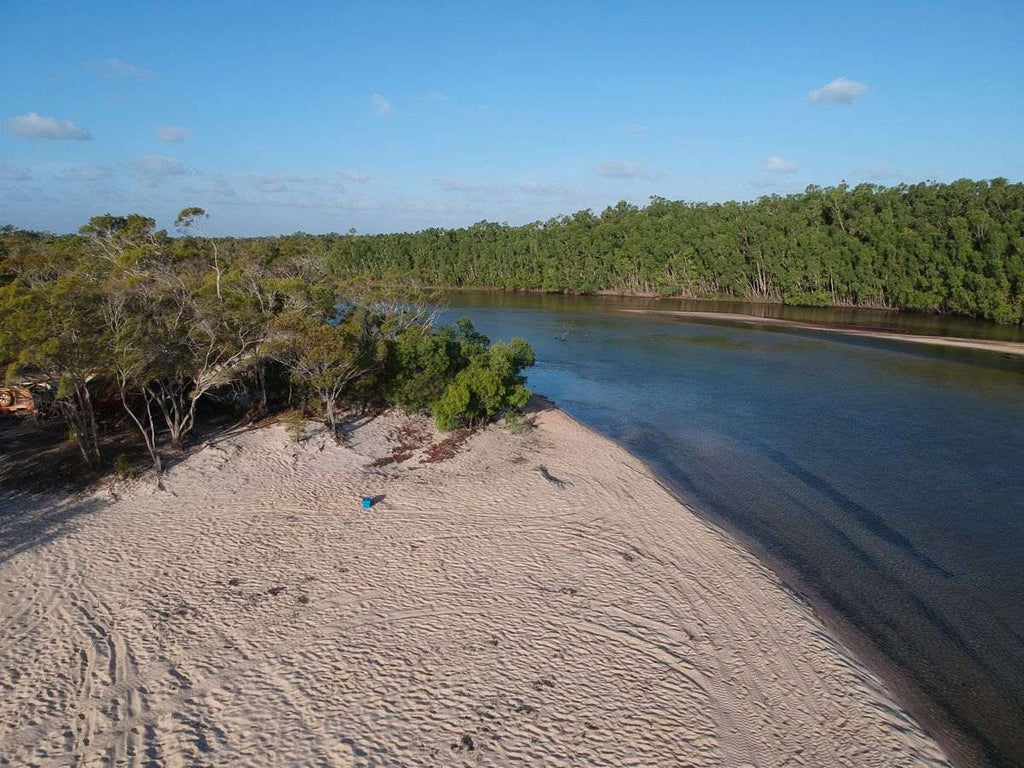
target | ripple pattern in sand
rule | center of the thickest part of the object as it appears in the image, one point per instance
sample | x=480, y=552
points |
x=254, y=614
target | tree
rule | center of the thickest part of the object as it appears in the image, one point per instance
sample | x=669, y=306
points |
x=491, y=383
x=191, y=220
x=173, y=340
x=423, y=362
x=52, y=333
x=326, y=359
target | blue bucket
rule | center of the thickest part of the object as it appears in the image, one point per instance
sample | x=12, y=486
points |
x=367, y=502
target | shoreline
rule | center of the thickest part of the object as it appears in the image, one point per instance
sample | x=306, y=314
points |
x=960, y=749
x=1010, y=348
x=542, y=596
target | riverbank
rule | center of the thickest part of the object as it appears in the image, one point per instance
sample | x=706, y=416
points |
x=987, y=345
x=533, y=598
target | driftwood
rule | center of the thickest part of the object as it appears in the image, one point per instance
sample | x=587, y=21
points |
x=543, y=471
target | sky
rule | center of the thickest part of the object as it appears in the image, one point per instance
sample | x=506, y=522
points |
x=388, y=116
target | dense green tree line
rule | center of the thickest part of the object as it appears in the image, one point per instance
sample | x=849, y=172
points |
x=159, y=325
x=951, y=248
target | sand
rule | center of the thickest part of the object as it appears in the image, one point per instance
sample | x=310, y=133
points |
x=1014, y=348
x=480, y=614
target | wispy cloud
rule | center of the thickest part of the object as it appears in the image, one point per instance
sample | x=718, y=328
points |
x=13, y=173
x=543, y=189
x=84, y=173
x=119, y=68
x=504, y=191
x=154, y=169
x=839, y=91
x=882, y=173
x=171, y=134
x=381, y=106
x=354, y=176
x=638, y=129
x=36, y=127
x=617, y=169
x=454, y=185
x=779, y=164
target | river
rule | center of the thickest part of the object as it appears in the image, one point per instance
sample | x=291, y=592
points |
x=882, y=481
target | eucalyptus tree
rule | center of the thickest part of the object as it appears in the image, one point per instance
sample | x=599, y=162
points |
x=52, y=335
x=176, y=334
x=327, y=359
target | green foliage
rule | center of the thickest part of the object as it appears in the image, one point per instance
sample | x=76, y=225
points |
x=327, y=359
x=167, y=322
x=491, y=383
x=121, y=468
x=295, y=425
x=423, y=362
x=808, y=299
x=515, y=423
x=954, y=248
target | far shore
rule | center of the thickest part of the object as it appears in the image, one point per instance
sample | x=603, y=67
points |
x=1015, y=348
x=533, y=598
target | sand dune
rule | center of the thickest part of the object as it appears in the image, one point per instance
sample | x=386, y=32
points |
x=481, y=614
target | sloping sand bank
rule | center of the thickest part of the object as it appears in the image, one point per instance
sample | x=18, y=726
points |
x=986, y=345
x=537, y=599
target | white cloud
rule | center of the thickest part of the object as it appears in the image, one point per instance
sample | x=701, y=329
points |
x=638, y=129
x=542, y=189
x=349, y=175
x=84, y=173
x=882, y=173
x=615, y=169
x=155, y=168
x=35, y=127
x=119, y=68
x=454, y=185
x=778, y=164
x=170, y=134
x=13, y=173
x=504, y=191
x=381, y=106
x=839, y=91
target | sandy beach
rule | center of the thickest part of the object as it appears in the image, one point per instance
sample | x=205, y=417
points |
x=1013, y=348
x=533, y=599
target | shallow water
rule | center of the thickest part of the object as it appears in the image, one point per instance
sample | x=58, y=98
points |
x=886, y=477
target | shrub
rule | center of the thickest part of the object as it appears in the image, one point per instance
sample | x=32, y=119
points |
x=295, y=425
x=491, y=383
x=423, y=362
x=515, y=423
x=121, y=468
x=809, y=299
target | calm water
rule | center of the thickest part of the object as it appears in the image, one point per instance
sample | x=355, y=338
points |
x=887, y=479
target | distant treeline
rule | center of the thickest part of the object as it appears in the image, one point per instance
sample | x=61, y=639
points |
x=947, y=248
x=950, y=248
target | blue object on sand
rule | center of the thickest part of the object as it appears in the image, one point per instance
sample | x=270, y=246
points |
x=367, y=502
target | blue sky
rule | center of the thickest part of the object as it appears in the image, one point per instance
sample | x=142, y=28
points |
x=398, y=116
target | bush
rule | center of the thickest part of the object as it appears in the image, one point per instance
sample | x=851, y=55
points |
x=808, y=299
x=295, y=425
x=491, y=383
x=423, y=362
x=515, y=423
x=121, y=468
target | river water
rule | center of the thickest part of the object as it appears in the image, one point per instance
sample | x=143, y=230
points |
x=884, y=481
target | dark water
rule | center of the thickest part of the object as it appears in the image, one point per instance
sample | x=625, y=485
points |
x=886, y=479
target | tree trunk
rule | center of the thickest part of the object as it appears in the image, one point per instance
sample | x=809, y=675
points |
x=147, y=429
